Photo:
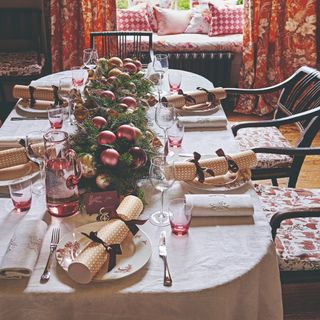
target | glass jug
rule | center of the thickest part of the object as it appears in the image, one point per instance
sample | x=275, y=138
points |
x=63, y=172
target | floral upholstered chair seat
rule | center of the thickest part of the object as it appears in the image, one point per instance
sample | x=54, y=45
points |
x=248, y=138
x=298, y=240
x=16, y=64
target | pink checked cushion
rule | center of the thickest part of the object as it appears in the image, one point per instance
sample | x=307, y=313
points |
x=21, y=64
x=225, y=19
x=200, y=19
x=249, y=138
x=132, y=20
x=171, y=21
x=298, y=240
x=152, y=18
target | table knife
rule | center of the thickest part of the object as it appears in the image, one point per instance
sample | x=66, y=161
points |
x=167, y=280
x=22, y=118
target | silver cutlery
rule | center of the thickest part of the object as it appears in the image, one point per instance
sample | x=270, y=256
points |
x=53, y=246
x=167, y=280
x=25, y=118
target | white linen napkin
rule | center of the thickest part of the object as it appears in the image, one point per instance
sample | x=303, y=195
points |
x=203, y=121
x=23, y=250
x=214, y=205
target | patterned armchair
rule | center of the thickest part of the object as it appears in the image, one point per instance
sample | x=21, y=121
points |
x=294, y=216
x=23, y=50
x=300, y=94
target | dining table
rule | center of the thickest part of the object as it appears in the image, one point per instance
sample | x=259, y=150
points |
x=224, y=268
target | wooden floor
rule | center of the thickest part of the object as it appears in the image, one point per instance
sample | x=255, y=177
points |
x=309, y=175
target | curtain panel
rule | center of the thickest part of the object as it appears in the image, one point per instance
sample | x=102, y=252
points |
x=279, y=37
x=71, y=24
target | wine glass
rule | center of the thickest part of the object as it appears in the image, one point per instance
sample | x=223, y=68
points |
x=161, y=175
x=65, y=90
x=165, y=118
x=161, y=66
x=90, y=58
x=35, y=152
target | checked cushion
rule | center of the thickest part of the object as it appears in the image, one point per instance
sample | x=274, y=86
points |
x=225, y=19
x=249, y=138
x=132, y=20
x=298, y=239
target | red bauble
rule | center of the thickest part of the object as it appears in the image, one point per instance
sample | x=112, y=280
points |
x=108, y=94
x=109, y=157
x=112, y=80
x=106, y=137
x=123, y=106
x=126, y=132
x=99, y=122
x=138, y=64
x=139, y=157
x=130, y=102
x=130, y=67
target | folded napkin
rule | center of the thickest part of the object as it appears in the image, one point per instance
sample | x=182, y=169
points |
x=94, y=255
x=23, y=250
x=186, y=170
x=213, y=205
x=203, y=121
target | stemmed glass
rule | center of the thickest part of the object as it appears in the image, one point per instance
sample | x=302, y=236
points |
x=65, y=91
x=35, y=152
x=90, y=58
x=161, y=175
x=161, y=66
x=165, y=118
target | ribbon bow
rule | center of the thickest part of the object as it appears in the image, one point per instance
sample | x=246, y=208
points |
x=187, y=97
x=131, y=224
x=199, y=170
x=32, y=100
x=112, y=249
x=210, y=96
x=232, y=166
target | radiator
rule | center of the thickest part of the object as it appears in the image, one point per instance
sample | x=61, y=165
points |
x=215, y=66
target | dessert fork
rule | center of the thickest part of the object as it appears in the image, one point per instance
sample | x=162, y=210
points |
x=53, y=246
x=167, y=280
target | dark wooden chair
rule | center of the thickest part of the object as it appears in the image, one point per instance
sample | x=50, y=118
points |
x=294, y=216
x=23, y=47
x=123, y=44
x=299, y=95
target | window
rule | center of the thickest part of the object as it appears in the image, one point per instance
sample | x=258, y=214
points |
x=182, y=4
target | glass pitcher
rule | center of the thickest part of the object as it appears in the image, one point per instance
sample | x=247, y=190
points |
x=63, y=172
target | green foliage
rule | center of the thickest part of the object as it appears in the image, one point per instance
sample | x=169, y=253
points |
x=124, y=177
x=239, y=1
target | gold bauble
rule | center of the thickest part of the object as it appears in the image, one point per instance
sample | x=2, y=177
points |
x=88, y=165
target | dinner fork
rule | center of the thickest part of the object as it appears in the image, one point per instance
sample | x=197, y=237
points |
x=53, y=246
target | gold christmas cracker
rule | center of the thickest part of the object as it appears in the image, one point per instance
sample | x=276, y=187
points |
x=94, y=256
x=200, y=97
x=40, y=93
x=18, y=171
x=12, y=157
x=186, y=171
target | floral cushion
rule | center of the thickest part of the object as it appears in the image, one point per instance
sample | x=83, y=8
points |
x=265, y=137
x=298, y=240
x=200, y=19
x=226, y=19
x=20, y=64
x=132, y=20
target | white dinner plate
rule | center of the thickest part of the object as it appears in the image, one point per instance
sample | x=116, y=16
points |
x=73, y=243
x=230, y=184
x=5, y=183
x=26, y=110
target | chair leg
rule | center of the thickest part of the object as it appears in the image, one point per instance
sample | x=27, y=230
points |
x=274, y=182
x=2, y=94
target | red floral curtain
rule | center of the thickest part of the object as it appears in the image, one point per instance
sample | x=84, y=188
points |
x=279, y=37
x=71, y=24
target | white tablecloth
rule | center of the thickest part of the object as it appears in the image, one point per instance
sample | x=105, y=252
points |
x=226, y=268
